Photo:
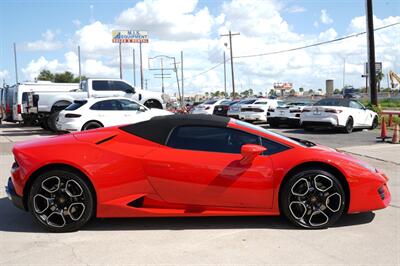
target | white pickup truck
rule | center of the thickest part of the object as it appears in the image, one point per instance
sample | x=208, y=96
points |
x=45, y=106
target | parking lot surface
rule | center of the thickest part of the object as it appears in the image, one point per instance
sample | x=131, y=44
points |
x=371, y=238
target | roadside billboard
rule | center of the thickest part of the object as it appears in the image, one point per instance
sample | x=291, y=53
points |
x=130, y=36
x=283, y=85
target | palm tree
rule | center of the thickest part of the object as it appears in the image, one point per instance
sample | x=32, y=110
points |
x=379, y=77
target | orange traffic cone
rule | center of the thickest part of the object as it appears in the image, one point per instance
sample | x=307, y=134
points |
x=395, y=138
x=383, y=130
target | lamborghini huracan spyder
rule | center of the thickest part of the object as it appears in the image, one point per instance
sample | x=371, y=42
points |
x=189, y=165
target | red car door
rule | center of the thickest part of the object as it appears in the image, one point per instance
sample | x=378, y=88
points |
x=210, y=178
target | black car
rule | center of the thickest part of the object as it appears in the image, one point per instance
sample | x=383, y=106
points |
x=222, y=109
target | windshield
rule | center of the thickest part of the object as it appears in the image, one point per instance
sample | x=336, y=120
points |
x=261, y=103
x=266, y=131
x=330, y=102
x=76, y=105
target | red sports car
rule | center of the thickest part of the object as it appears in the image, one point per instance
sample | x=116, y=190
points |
x=189, y=165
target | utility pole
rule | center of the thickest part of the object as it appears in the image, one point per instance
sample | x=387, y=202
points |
x=230, y=34
x=146, y=83
x=183, y=97
x=134, y=67
x=79, y=63
x=224, y=74
x=141, y=66
x=162, y=69
x=177, y=81
x=15, y=64
x=120, y=61
x=371, y=52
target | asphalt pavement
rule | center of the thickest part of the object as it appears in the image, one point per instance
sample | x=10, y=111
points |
x=371, y=238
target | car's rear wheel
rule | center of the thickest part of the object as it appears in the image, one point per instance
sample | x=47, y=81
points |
x=91, y=125
x=51, y=121
x=312, y=198
x=348, y=128
x=61, y=201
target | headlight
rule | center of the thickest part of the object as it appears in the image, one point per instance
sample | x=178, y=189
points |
x=367, y=166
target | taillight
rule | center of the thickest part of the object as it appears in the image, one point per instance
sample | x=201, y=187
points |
x=226, y=107
x=207, y=108
x=258, y=110
x=72, y=115
x=19, y=109
x=8, y=109
x=332, y=111
x=306, y=110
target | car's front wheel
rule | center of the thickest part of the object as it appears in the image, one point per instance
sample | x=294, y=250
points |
x=61, y=201
x=348, y=128
x=312, y=198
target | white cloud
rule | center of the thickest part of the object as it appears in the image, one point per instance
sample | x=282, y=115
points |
x=3, y=74
x=325, y=18
x=77, y=23
x=48, y=43
x=296, y=9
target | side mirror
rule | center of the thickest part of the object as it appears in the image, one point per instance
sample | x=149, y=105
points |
x=250, y=152
x=142, y=109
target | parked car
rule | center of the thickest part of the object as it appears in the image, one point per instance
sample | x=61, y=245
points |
x=1, y=103
x=222, y=109
x=207, y=107
x=7, y=103
x=234, y=109
x=49, y=104
x=189, y=165
x=288, y=114
x=259, y=110
x=345, y=114
x=104, y=112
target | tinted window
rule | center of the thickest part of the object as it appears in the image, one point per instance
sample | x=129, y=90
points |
x=121, y=86
x=101, y=85
x=331, y=102
x=213, y=139
x=75, y=105
x=354, y=104
x=129, y=105
x=109, y=105
x=210, y=102
x=272, y=146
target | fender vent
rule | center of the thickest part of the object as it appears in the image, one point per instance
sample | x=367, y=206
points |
x=137, y=203
x=105, y=140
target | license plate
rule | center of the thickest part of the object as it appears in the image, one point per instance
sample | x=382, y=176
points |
x=220, y=109
x=282, y=112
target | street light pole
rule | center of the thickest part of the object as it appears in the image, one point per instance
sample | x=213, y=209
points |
x=344, y=71
x=79, y=63
x=134, y=68
x=371, y=52
x=230, y=34
x=224, y=74
x=15, y=64
x=141, y=66
x=182, y=77
x=120, y=61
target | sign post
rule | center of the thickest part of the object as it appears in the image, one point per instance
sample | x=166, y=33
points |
x=131, y=36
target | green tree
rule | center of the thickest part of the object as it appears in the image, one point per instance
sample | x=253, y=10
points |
x=45, y=75
x=301, y=89
x=292, y=92
x=66, y=77
x=272, y=93
x=336, y=91
x=379, y=77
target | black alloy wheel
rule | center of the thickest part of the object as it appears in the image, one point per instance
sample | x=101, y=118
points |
x=61, y=201
x=375, y=123
x=349, y=125
x=313, y=198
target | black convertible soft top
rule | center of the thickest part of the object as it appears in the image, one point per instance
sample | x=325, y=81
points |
x=158, y=128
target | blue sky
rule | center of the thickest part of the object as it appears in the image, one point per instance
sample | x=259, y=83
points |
x=26, y=22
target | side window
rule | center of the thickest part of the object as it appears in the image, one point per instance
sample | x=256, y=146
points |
x=101, y=85
x=121, y=86
x=354, y=104
x=129, y=105
x=212, y=139
x=109, y=105
x=272, y=146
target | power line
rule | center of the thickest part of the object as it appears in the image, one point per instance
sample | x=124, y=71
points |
x=292, y=49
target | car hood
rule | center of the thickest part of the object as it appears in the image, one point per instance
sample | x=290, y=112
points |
x=159, y=112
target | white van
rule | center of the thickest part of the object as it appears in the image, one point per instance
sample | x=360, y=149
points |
x=21, y=91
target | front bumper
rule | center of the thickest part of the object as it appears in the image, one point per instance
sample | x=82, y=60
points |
x=12, y=195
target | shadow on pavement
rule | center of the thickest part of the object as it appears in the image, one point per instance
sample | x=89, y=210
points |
x=15, y=220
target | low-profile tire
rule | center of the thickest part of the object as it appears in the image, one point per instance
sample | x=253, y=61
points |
x=91, y=125
x=375, y=123
x=51, y=121
x=312, y=198
x=61, y=201
x=153, y=104
x=348, y=128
